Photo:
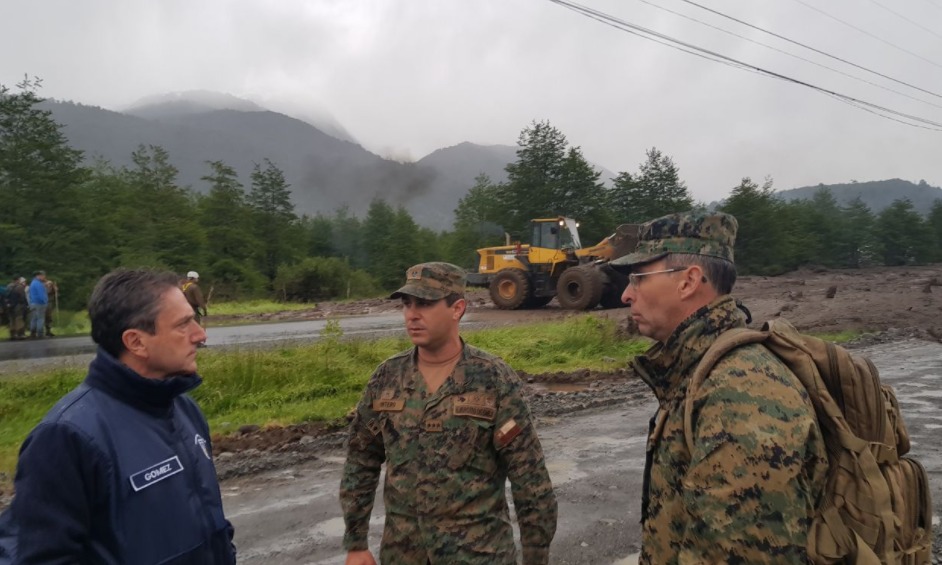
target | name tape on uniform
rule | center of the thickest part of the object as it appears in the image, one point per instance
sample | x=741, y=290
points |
x=476, y=405
x=155, y=473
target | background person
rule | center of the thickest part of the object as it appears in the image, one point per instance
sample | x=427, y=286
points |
x=120, y=470
x=747, y=491
x=52, y=292
x=451, y=424
x=38, y=302
x=191, y=289
x=17, y=306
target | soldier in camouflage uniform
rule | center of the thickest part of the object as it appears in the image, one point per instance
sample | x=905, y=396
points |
x=747, y=491
x=451, y=424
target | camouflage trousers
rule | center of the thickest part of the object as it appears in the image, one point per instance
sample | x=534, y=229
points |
x=404, y=543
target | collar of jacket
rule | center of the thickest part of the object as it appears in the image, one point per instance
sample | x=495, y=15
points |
x=666, y=366
x=150, y=395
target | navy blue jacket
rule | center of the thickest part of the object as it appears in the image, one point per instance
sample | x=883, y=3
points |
x=119, y=471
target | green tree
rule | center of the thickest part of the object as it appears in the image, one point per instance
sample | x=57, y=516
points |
x=858, y=245
x=41, y=221
x=380, y=244
x=654, y=191
x=224, y=213
x=762, y=246
x=159, y=218
x=477, y=224
x=934, y=224
x=903, y=234
x=276, y=224
x=583, y=196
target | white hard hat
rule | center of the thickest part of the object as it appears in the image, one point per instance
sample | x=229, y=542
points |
x=192, y=275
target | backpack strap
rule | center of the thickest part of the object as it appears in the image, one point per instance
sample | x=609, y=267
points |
x=726, y=342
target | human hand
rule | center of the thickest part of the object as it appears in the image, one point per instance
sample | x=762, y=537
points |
x=362, y=557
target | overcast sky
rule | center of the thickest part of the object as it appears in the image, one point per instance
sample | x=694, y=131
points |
x=407, y=77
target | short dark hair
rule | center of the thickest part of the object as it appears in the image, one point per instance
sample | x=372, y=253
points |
x=719, y=272
x=126, y=299
x=452, y=298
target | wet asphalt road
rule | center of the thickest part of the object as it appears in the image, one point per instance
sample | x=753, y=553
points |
x=216, y=336
x=292, y=516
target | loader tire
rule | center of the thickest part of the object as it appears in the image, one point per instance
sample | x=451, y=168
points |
x=510, y=289
x=579, y=288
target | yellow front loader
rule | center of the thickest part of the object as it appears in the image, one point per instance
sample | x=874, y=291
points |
x=554, y=264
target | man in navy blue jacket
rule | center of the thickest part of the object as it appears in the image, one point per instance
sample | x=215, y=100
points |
x=121, y=469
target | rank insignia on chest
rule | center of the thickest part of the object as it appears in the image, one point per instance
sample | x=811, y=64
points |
x=476, y=405
x=506, y=433
x=433, y=426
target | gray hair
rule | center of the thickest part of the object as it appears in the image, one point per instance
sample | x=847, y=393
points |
x=718, y=272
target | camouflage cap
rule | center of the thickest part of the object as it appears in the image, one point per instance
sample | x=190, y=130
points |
x=432, y=281
x=699, y=233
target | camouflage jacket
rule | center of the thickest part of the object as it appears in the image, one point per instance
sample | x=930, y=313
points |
x=448, y=456
x=748, y=491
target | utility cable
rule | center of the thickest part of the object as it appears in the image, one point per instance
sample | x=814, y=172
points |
x=800, y=58
x=865, y=32
x=902, y=17
x=818, y=51
x=706, y=53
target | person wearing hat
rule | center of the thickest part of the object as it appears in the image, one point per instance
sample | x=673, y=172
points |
x=191, y=289
x=451, y=424
x=747, y=491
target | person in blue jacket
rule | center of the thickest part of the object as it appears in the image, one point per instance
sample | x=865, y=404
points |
x=38, y=302
x=121, y=469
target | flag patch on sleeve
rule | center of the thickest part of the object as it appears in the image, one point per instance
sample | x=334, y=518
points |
x=506, y=433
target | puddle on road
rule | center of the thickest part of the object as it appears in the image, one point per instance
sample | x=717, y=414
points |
x=630, y=560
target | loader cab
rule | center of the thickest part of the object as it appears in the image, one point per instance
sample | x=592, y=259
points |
x=555, y=233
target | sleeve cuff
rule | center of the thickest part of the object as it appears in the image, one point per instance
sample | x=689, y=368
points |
x=354, y=542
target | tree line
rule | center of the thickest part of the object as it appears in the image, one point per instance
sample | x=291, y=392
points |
x=79, y=221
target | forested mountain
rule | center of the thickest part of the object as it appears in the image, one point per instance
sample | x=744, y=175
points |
x=877, y=195
x=325, y=172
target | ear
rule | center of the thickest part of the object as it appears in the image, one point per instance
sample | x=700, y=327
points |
x=134, y=343
x=458, y=308
x=691, y=281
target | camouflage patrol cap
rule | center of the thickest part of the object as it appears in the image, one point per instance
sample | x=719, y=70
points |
x=699, y=233
x=432, y=281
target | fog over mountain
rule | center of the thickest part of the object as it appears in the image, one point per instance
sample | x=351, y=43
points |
x=325, y=171
x=877, y=195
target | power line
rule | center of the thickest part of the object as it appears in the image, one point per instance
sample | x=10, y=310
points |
x=649, y=34
x=902, y=17
x=832, y=69
x=865, y=32
x=818, y=51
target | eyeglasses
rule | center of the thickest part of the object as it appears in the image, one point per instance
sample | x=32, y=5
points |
x=635, y=278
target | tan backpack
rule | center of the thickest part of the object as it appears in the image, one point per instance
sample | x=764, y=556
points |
x=876, y=507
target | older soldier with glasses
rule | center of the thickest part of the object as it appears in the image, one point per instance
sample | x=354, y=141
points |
x=746, y=492
x=451, y=424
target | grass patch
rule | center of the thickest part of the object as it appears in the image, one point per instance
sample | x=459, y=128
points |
x=321, y=381
x=255, y=307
